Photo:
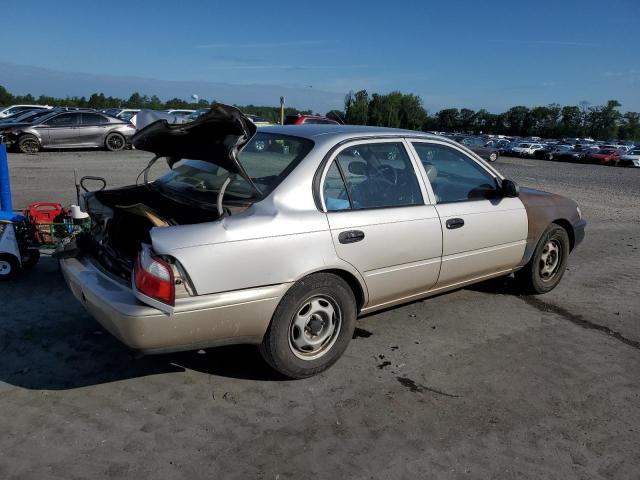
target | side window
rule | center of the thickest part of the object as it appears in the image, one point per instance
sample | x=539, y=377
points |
x=373, y=175
x=64, y=120
x=93, y=119
x=455, y=177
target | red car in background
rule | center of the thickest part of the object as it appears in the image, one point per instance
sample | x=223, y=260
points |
x=308, y=120
x=607, y=156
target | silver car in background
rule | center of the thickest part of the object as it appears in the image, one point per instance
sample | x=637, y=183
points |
x=283, y=237
x=71, y=129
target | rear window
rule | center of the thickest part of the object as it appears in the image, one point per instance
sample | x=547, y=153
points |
x=267, y=158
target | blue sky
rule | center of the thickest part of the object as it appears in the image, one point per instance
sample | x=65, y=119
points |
x=480, y=54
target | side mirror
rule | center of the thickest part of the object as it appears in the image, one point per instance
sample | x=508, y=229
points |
x=510, y=188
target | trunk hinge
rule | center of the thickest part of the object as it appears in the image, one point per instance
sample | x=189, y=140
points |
x=226, y=183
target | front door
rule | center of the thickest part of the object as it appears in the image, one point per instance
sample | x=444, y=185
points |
x=483, y=232
x=62, y=129
x=382, y=221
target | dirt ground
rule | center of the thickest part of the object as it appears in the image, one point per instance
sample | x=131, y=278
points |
x=478, y=383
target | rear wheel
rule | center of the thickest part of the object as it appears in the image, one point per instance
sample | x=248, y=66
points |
x=115, y=142
x=548, y=263
x=9, y=267
x=28, y=144
x=493, y=156
x=31, y=258
x=311, y=326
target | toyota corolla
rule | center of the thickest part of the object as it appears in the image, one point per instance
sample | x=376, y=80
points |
x=282, y=238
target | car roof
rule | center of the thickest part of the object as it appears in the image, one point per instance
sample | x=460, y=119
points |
x=333, y=131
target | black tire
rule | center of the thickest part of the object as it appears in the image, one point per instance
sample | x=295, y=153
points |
x=9, y=267
x=277, y=347
x=31, y=258
x=28, y=144
x=114, y=142
x=547, y=266
x=493, y=156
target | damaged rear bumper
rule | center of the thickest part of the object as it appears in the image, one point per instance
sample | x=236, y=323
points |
x=240, y=316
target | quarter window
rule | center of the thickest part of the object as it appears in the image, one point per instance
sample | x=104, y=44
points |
x=373, y=175
x=93, y=119
x=455, y=177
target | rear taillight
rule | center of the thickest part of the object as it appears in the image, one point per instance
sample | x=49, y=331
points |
x=154, y=277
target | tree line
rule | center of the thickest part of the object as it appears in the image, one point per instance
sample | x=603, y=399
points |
x=400, y=110
x=136, y=100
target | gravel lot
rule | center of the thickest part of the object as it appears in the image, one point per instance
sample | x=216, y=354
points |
x=478, y=383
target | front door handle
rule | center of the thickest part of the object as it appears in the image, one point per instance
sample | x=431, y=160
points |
x=351, y=236
x=455, y=223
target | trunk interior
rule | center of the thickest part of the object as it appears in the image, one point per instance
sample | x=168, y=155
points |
x=120, y=229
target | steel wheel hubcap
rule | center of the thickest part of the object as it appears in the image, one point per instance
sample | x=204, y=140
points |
x=315, y=327
x=5, y=267
x=550, y=260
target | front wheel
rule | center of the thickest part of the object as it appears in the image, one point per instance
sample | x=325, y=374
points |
x=493, y=156
x=115, y=142
x=28, y=144
x=311, y=327
x=548, y=262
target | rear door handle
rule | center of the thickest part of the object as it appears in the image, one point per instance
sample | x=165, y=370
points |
x=453, y=223
x=351, y=236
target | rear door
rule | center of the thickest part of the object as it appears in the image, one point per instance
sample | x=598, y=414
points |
x=381, y=219
x=483, y=232
x=93, y=129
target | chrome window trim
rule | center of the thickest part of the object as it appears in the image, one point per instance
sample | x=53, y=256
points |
x=470, y=155
x=337, y=149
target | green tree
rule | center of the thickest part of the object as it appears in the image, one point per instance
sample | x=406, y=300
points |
x=467, y=120
x=5, y=97
x=356, y=108
x=448, y=119
x=570, y=124
x=602, y=122
x=412, y=114
x=630, y=127
x=518, y=120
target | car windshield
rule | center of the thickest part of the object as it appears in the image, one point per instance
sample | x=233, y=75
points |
x=524, y=145
x=267, y=158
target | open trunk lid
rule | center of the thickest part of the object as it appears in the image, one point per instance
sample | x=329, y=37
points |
x=215, y=137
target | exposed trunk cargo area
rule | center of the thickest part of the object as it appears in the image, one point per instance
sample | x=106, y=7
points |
x=124, y=217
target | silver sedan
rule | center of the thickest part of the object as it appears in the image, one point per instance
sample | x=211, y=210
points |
x=71, y=129
x=282, y=238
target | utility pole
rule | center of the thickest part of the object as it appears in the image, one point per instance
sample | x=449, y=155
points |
x=282, y=110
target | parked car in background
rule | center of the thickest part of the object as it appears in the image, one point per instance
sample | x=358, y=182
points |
x=5, y=112
x=480, y=146
x=126, y=113
x=379, y=217
x=630, y=159
x=197, y=114
x=179, y=112
x=308, y=120
x=526, y=149
x=71, y=129
x=26, y=116
x=257, y=120
x=604, y=156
